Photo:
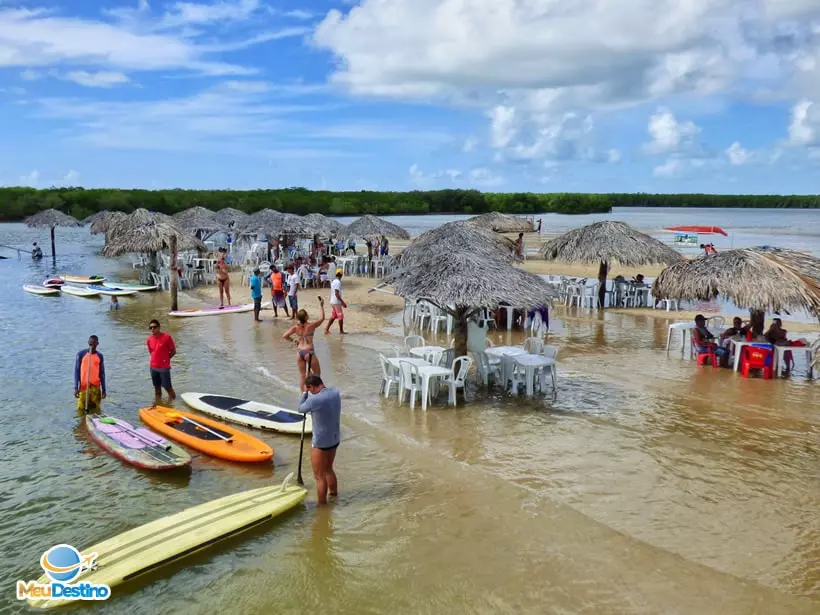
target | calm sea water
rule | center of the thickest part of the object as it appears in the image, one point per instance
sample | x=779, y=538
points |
x=646, y=486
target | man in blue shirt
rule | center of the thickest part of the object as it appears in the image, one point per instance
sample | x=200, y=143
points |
x=256, y=294
x=326, y=407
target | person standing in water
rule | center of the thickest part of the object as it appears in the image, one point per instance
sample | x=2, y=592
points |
x=255, y=283
x=223, y=280
x=277, y=291
x=325, y=405
x=89, y=377
x=337, y=304
x=162, y=349
x=36, y=252
x=305, y=352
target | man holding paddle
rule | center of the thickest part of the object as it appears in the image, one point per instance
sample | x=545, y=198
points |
x=89, y=377
x=326, y=408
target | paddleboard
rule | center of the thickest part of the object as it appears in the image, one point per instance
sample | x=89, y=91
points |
x=81, y=279
x=112, y=292
x=130, y=286
x=250, y=413
x=53, y=283
x=205, y=435
x=79, y=291
x=213, y=311
x=40, y=290
x=148, y=547
x=137, y=446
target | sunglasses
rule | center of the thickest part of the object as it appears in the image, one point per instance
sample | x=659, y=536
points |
x=153, y=327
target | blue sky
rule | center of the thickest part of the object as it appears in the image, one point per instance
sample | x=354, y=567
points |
x=505, y=95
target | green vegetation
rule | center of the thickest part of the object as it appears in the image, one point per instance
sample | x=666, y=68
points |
x=17, y=203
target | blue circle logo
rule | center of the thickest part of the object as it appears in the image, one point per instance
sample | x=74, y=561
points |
x=62, y=563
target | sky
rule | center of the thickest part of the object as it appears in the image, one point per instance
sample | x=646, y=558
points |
x=717, y=96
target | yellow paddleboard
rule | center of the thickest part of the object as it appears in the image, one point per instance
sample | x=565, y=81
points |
x=150, y=546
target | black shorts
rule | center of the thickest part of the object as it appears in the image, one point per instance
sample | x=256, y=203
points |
x=161, y=378
x=257, y=303
x=329, y=448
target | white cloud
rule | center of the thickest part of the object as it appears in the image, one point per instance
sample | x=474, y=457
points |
x=669, y=168
x=30, y=179
x=613, y=156
x=426, y=180
x=503, y=126
x=69, y=179
x=805, y=119
x=485, y=178
x=738, y=155
x=470, y=144
x=101, y=79
x=669, y=135
x=192, y=13
x=299, y=14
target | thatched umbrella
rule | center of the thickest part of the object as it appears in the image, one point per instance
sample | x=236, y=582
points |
x=103, y=220
x=368, y=227
x=322, y=225
x=148, y=233
x=602, y=243
x=50, y=219
x=96, y=215
x=199, y=221
x=260, y=220
x=760, y=280
x=501, y=223
x=229, y=215
x=458, y=236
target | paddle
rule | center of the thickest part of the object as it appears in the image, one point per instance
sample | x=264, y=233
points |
x=154, y=450
x=108, y=420
x=304, y=421
x=175, y=415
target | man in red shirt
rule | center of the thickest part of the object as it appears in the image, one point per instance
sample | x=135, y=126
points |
x=162, y=349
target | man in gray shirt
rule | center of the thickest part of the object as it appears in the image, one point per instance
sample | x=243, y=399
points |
x=326, y=406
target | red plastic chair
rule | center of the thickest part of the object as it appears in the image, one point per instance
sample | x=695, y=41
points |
x=755, y=357
x=703, y=357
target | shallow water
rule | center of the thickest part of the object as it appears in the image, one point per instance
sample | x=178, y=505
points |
x=647, y=486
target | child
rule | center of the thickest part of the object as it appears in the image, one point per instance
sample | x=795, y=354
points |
x=115, y=304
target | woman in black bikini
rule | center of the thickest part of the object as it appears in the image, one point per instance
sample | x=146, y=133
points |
x=304, y=331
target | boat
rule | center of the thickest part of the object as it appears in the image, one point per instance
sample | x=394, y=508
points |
x=40, y=290
x=212, y=311
x=147, y=548
x=205, y=435
x=111, y=292
x=53, y=283
x=82, y=280
x=131, y=286
x=700, y=230
x=137, y=446
x=249, y=413
x=79, y=291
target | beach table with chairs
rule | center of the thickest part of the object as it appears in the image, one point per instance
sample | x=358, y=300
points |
x=422, y=351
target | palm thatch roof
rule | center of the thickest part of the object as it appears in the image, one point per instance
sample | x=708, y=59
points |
x=51, y=218
x=259, y=221
x=501, y=223
x=457, y=236
x=95, y=216
x=322, y=225
x=199, y=221
x=765, y=280
x=290, y=224
x=368, y=227
x=230, y=215
x=607, y=241
x=103, y=220
x=147, y=232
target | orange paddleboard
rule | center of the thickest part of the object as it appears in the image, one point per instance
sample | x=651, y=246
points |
x=204, y=435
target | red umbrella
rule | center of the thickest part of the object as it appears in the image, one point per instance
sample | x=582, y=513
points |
x=702, y=230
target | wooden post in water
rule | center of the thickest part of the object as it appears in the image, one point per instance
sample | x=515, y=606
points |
x=172, y=242
x=53, y=251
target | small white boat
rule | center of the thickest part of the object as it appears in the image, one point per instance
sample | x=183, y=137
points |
x=79, y=291
x=130, y=286
x=111, y=292
x=40, y=290
x=82, y=279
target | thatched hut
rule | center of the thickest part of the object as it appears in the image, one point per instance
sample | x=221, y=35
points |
x=371, y=227
x=601, y=243
x=104, y=220
x=144, y=232
x=760, y=280
x=230, y=216
x=324, y=226
x=259, y=221
x=199, y=221
x=458, y=236
x=50, y=219
x=501, y=223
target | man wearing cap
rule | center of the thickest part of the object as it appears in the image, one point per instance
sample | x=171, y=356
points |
x=256, y=294
x=336, y=304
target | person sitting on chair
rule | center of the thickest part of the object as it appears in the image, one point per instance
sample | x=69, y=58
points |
x=704, y=341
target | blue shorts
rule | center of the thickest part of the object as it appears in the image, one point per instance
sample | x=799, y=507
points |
x=161, y=378
x=294, y=302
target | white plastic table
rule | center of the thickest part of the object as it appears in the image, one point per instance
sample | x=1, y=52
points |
x=684, y=328
x=739, y=344
x=395, y=363
x=423, y=350
x=501, y=351
x=427, y=372
x=779, y=351
x=346, y=262
x=530, y=362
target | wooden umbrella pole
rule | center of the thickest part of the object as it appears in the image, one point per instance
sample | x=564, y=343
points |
x=603, y=269
x=173, y=273
x=53, y=251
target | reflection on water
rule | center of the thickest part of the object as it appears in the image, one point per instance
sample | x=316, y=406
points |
x=646, y=485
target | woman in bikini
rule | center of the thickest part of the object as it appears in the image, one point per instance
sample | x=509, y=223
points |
x=223, y=282
x=305, y=355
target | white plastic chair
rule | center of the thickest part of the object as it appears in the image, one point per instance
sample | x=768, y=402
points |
x=447, y=358
x=716, y=322
x=423, y=312
x=485, y=369
x=457, y=376
x=549, y=352
x=436, y=317
x=389, y=376
x=433, y=357
x=410, y=382
x=533, y=345
x=512, y=376
x=537, y=326
x=413, y=341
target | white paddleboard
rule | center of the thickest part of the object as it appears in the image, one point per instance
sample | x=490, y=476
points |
x=82, y=279
x=249, y=413
x=40, y=290
x=79, y=291
x=111, y=292
x=130, y=286
x=213, y=311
